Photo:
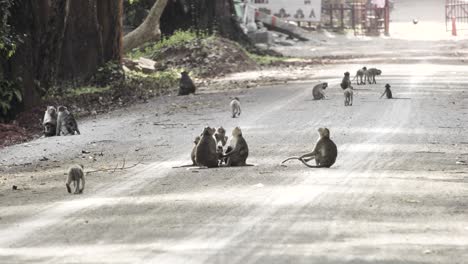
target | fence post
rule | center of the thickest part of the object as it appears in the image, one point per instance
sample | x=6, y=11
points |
x=331, y=16
x=387, y=18
x=342, y=17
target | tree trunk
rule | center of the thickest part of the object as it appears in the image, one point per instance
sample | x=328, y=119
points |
x=61, y=41
x=148, y=30
x=207, y=16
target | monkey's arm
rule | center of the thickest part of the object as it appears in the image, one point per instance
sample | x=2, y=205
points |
x=383, y=94
x=232, y=151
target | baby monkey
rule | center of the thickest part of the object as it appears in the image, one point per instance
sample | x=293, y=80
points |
x=75, y=175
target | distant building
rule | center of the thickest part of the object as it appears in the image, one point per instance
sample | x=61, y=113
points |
x=292, y=10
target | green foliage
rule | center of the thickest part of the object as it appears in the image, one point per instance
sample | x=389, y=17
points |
x=110, y=73
x=179, y=38
x=7, y=38
x=10, y=92
x=87, y=90
x=266, y=60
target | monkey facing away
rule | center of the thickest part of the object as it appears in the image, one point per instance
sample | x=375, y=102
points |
x=235, y=107
x=76, y=175
x=50, y=121
x=206, y=153
x=387, y=92
x=361, y=74
x=318, y=92
x=348, y=97
x=371, y=73
x=186, y=85
x=66, y=123
x=346, y=81
x=238, y=150
x=324, y=153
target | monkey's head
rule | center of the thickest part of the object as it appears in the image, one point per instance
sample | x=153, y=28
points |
x=221, y=130
x=51, y=110
x=208, y=131
x=364, y=68
x=197, y=139
x=387, y=86
x=378, y=72
x=184, y=73
x=62, y=108
x=324, y=85
x=324, y=132
x=236, y=98
x=346, y=73
x=237, y=132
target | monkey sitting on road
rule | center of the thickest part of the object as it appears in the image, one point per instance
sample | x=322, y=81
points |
x=76, y=175
x=235, y=107
x=318, y=92
x=238, y=150
x=387, y=92
x=325, y=152
x=186, y=85
x=361, y=74
x=50, y=121
x=346, y=82
x=66, y=123
x=206, y=153
x=348, y=97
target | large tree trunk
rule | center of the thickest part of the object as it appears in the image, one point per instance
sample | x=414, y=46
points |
x=61, y=41
x=148, y=30
x=207, y=16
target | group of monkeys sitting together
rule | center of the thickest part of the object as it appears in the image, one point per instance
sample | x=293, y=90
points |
x=59, y=122
x=209, y=149
x=362, y=76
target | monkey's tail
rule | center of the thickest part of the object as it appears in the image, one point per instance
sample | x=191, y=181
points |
x=303, y=161
x=185, y=166
x=291, y=158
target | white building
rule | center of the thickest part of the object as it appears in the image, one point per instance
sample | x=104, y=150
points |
x=293, y=10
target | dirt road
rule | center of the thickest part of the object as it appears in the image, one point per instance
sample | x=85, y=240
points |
x=395, y=195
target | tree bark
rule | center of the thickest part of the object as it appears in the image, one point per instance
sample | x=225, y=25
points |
x=62, y=41
x=148, y=30
x=205, y=16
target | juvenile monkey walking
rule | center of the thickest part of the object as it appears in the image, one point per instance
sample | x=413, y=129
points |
x=348, y=97
x=324, y=153
x=76, y=175
x=235, y=107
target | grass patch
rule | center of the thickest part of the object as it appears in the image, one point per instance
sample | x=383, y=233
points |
x=179, y=38
x=87, y=90
x=266, y=60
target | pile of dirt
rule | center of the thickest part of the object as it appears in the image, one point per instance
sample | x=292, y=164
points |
x=207, y=57
x=11, y=134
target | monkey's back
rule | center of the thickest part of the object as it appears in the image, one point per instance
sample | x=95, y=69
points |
x=75, y=173
x=205, y=154
x=239, y=157
x=316, y=91
x=326, y=152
